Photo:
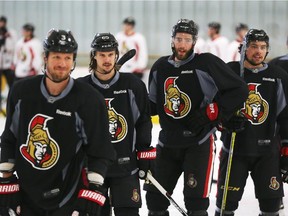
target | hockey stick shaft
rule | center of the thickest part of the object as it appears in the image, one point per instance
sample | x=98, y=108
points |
x=228, y=171
x=165, y=193
x=126, y=57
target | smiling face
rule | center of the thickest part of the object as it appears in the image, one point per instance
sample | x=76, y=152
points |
x=256, y=53
x=59, y=65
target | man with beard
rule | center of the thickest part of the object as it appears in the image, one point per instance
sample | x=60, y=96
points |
x=257, y=150
x=129, y=122
x=206, y=91
x=56, y=139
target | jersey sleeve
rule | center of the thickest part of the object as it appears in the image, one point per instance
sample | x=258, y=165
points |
x=143, y=124
x=100, y=151
x=232, y=89
x=282, y=104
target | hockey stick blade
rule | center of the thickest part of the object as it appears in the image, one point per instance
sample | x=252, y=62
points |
x=165, y=193
x=126, y=57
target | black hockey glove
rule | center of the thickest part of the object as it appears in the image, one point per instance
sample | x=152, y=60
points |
x=203, y=117
x=235, y=124
x=284, y=162
x=145, y=159
x=91, y=199
x=9, y=195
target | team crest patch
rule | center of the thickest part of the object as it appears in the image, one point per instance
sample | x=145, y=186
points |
x=192, y=182
x=40, y=150
x=177, y=103
x=255, y=108
x=135, y=196
x=117, y=123
x=274, y=184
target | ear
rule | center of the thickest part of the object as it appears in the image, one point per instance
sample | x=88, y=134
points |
x=45, y=59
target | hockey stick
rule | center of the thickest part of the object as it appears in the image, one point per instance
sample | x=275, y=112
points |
x=164, y=192
x=126, y=57
x=228, y=170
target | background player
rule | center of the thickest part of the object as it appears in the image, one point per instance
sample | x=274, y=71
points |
x=233, y=47
x=130, y=39
x=28, y=54
x=217, y=44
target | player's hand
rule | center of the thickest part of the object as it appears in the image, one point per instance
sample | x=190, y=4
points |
x=284, y=162
x=145, y=159
x=90, y=200
x=235, y=124
x=203, y=117
x=9, y=196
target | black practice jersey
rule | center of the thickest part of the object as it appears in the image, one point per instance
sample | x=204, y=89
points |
x=129, y=118
x=48, y=137
x=281, y=61
x=177, y=89
x=266, y=111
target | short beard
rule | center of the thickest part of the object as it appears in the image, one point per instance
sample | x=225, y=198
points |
x=56, y=79
x=185, y=56
x=254, y=64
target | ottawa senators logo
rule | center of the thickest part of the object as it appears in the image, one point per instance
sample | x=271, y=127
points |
x=135, y=196
x=255, y=109
x=40, y=150
x=192, y=182
x=274, y=184
x=22, y=55
x=117, y=123
x=177, y=104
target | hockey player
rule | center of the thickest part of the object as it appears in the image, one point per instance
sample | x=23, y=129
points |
x=129, y=125
x=55, y=126
x=257, y=150
x=233, y=47
x=8, y=39
x=217, y=44
x=28, y=54
x=190, y=93
x=130, y=39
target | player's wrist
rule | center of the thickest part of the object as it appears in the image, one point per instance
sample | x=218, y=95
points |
x=6, y=174
x=284, y=150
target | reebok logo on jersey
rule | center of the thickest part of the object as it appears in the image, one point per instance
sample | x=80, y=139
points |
x=65, y=113
x=268, y=79
x=9, y=188
x=187, y=72
x=120, y=92
x=92, y=196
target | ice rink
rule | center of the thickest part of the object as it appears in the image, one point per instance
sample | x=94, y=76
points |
x=248, y=205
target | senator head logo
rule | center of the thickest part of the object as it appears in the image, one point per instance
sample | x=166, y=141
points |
x=255, y=108
x=117, y=123
x=40, y=150
x=177, y=103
